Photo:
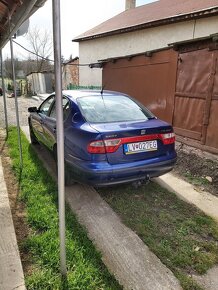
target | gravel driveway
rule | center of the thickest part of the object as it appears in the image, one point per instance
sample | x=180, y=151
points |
x=23, y=104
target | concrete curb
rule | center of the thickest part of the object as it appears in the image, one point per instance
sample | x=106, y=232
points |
x=11, y=272
x=205, y=201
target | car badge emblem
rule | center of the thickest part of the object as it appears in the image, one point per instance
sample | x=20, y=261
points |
x=143, y=132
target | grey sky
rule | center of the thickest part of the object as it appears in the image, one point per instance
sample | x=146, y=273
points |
x=77, y=17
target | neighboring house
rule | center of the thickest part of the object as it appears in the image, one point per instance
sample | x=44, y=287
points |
x=70, y=74
x=165, y=54
x=40, y=82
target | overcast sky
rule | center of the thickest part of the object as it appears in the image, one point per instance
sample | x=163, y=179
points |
x=77, y=17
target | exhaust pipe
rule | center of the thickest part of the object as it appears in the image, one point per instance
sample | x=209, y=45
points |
x=136, y=184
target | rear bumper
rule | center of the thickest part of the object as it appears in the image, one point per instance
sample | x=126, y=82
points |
x=103, y=173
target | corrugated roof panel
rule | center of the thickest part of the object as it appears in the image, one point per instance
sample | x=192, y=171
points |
x=19, y=11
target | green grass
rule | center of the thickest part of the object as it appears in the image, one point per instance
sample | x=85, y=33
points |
x=182, y=237
x=39, y=192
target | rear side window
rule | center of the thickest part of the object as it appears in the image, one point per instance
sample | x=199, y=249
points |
x=106, y=109
x=66, y=109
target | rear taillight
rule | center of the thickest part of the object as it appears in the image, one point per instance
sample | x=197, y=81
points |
x=106, y=146
x=96, y=147
x=111, y=145
x=168, y=138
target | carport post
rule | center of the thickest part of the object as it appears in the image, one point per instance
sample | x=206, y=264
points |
x=60, y=132
x=16, y=103
x=4, y=94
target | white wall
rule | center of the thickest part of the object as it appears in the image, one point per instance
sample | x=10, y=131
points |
x=137, y=42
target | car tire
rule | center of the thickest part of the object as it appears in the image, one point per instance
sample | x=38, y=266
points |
x=67, y=176
x=33, y=138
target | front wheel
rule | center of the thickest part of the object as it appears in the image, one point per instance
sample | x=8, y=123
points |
x=33, y=138
x=67, y=175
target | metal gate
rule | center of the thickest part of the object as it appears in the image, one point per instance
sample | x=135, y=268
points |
x=196, y=96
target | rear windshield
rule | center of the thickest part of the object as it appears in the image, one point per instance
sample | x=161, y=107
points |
x=106, y=109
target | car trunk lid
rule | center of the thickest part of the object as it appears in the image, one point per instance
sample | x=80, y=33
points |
x=134, y=141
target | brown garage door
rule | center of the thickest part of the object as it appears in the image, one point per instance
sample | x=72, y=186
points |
x=212, y=129
x=194, y=91
x=151, y=80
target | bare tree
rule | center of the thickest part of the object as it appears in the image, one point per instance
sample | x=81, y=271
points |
x=40, y=42
x=8, y=67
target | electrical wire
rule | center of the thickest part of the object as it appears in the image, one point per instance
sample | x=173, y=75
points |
x=45, y=58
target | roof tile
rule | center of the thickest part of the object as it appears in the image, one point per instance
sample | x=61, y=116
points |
x=156, y=11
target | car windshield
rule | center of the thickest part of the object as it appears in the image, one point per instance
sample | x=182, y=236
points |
x=106, y=109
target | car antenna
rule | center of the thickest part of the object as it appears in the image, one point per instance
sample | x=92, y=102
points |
x=102, y=89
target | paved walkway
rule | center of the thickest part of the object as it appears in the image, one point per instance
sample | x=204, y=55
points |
x=11, y=272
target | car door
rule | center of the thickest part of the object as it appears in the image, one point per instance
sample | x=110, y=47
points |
x=49, y=125
x=39, y=119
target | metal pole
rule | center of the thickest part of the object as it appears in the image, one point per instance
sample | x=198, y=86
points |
x=60, y=132
x=4, y=95
x=16, y=103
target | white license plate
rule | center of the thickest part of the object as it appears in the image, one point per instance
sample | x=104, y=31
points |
x=140, y=147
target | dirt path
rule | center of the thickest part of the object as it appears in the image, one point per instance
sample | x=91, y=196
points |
x=198, y=167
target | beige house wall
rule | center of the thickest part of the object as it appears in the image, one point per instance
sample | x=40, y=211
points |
x=137, y=42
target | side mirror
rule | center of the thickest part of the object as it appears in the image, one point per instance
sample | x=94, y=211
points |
x=32, y=110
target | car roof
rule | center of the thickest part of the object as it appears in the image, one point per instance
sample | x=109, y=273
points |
x=75, y=94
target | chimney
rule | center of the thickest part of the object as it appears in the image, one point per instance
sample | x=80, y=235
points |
x=130, y=4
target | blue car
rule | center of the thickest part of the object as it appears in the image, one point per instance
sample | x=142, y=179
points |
x=109, y=137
